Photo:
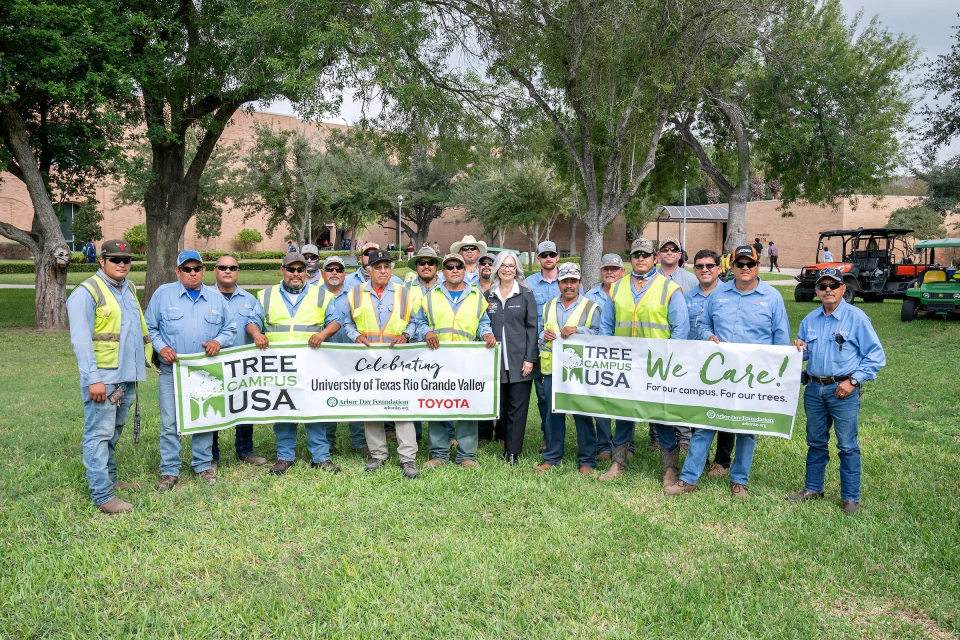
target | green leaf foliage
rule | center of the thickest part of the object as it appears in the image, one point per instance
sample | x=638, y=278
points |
x=136, y=237
x=943, y=81
x=86, y=222
x=925, y=222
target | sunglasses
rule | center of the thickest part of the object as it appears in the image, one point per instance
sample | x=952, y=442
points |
x=333, y=269
x=425, y=263
x=231, y=267
x=453, y=267
x=746, y=265
x=486, y=263
x=548, y=254
x=312, y=258
x=669, y=250
x=369, y=253
x=191, y=269
x=119, y=260
x=294, y=269
x=833, y=286
x=701, y=267
x=640, y=254
x=469, y=249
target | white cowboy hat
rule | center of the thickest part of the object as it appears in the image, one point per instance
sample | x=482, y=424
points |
x=466, y=242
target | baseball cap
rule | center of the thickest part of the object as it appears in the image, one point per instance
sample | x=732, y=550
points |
x=334, y=260
x=293, y=256
x=546, y=246
x=451, y=257
x=115, y=249
x=379, y=256
x=611, y=260
x=567, y=271
x=311, y=249
x=189, y=254
x=642, y=244
x=671, y=240
x=830, y=274
x=745, y=251
x=369, y=245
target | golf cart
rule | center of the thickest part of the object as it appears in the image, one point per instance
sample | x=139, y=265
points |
x=938, y=291
x=876, y=264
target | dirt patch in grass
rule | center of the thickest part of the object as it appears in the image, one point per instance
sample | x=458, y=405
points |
x=866, y=613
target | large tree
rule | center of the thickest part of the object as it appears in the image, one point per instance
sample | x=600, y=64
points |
x=428, y=178
x=60, y=100
x=943, y=115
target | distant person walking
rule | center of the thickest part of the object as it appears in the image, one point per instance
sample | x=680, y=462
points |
x=773, y=252
x=827, y=255
x=757, y=246
x=90, y=251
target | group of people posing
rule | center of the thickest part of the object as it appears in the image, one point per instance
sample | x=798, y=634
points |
x=466, y=295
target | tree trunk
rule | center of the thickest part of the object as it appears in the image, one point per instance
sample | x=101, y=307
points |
x=592, y=251
x=573, y=235
x=164, y=229
x=51, y=289
x=353, y=241
x=736, y=218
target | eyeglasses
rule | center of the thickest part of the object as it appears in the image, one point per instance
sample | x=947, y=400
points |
x=469, y=249
x=833, y=286
x=640, y=254
x=453, y=267
x=746, y=265
x=548, y=254
x=669, y=250
x=333, y=269
x=294, y=269
x=119, y=260
x=425, y=263
x=231, y=267
x=191, y=269
x=701, y=267
x=508, y=266
x=486, y=263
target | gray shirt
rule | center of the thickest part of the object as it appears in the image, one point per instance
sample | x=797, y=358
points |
x=685, y=279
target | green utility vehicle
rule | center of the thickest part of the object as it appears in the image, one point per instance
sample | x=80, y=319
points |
x=938, y=290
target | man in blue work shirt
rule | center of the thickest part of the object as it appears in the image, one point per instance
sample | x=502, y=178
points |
x=248, y=314
x=545, y=287
x=842, y=352
x=186, y=317
x=105, y=307
x=611, y=270
x=470, y=250
x=439, y=320
x=311, y=254
x=745, y=311
x=706, y=268
x=362, y=274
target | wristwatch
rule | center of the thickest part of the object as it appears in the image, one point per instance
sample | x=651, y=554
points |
x=854, y=382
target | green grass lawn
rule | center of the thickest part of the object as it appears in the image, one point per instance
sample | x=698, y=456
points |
x=489, y=552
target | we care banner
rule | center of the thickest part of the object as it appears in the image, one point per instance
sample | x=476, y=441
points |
x=336, y=382
x=739, y=388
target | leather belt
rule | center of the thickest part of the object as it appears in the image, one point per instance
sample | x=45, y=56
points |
x=828, y=379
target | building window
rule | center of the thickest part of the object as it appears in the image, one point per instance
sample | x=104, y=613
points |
x=67, y=211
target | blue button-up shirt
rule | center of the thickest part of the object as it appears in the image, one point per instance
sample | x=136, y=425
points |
x=676, y=307
x=563, y=314
x=757, y=316
x=608, y=317
x=246, y=310
x=861, y=356
x=343, y=310
x=383, y=308
x=684, y=279
x=82, y=311
x=176, y=321
x=696, y=301
x=357, y=277
x=422, y=327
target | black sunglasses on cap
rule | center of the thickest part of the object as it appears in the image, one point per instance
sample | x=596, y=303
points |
x=640, y=254
x=232, y=267
x=746, y=264
x=119, y=260
x=833, y=286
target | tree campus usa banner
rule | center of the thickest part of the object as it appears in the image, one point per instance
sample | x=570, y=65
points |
x=336, y=382
x=740, y=388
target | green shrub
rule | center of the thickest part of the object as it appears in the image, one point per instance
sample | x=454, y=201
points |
x=136, y=237
x=245, y=240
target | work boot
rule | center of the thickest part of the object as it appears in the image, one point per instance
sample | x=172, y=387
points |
x=209, y=475
x=375, y=464
x=543, y=467
x=280, y=467
x=739, y=490
x=469, y=464
x=850, y=507
x=679, y=488
x=214, y=465
x=511, y=459
x=671, y=466
x=603, y=456
x=120, y=486
x=803, y=495
x=619, y=466
x=115, y=506
x=253, y=460
x=586, y=471
x=654, y=444
x=167, y=483
x=409, y=469
x=433, y=463
x=326, y=465
x=717, y=470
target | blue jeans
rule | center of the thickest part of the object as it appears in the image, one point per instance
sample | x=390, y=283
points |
x=824, y=409
x=201, y=444
x=242, y=442
x=626, y=432
x=102, y=424
x=467, y=436
x=357, y=437
x=557, y=433
x=286, y=433
x=604, y=437
x=700, y=451
x=666, y=435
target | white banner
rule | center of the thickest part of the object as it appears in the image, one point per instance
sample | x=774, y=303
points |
x=336, y=382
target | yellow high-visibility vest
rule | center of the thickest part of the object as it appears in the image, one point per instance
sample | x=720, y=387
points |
x=583, y=319
x=365, y=316
x=648, y=318
x=106, y=325
x=454, y=326
x=278, y=326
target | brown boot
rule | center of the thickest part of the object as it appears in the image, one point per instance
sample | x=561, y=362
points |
x=718, y=470
x=208, y=475
x=167, y=483
x=671, y=466
x=654, y=444
x=253, y=460
x=619, y=466
x=739, y=490
x=679, y=488
x=433, y=463
x=115, y=506
x=280, y=467
x=603, y=456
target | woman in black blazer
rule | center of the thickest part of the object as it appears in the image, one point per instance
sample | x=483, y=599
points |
x=513, y=317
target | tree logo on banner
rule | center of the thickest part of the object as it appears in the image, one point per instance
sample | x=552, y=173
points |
x=205, y=387
x=572, y=360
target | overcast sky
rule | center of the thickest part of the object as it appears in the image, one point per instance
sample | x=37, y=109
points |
x=933, y=22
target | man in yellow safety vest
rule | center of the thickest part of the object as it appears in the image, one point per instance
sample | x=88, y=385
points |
x=647, y=305
x=295, y=311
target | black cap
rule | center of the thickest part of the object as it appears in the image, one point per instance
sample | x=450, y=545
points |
x=115, y=249
x=830, y=274
x=745, y=252
x=378, y=256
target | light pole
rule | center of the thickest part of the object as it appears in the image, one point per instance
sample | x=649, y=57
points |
x=399, y=211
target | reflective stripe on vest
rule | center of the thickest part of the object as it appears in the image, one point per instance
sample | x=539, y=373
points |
x=653, y=308
x=451, y=326
x=107, y=323
x=586, y=307
x=365, y=316
x=308, y=320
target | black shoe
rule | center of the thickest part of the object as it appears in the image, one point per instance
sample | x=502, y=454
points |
x=326, y=465
x=375, y=464
x=410, y=470
x=511, y=459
